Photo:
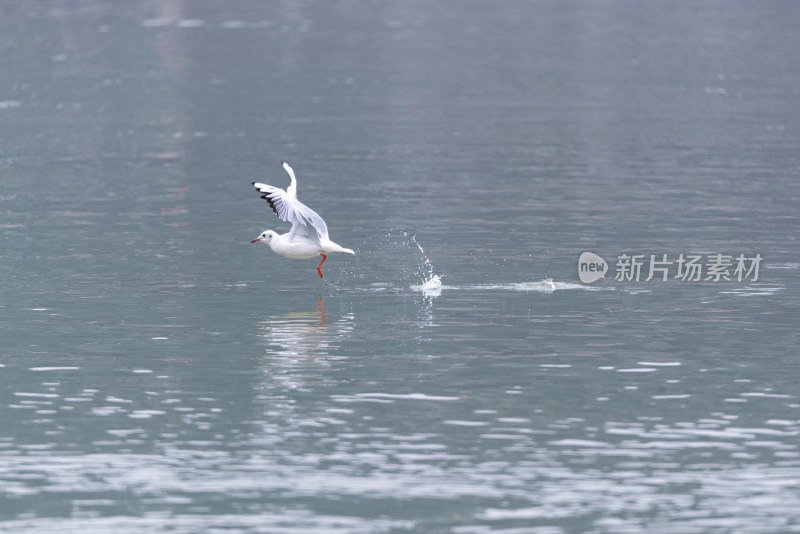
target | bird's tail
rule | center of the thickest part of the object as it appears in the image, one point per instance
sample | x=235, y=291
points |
x=330, y=246
x=337, y=248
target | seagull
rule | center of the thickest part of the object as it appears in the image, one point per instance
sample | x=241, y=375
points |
x=309, y=234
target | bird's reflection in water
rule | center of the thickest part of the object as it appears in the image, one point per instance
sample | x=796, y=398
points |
x=301, y=350
x=306, y=334
x=301, y=347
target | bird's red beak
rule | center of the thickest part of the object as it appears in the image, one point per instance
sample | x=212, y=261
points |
x=256, y=239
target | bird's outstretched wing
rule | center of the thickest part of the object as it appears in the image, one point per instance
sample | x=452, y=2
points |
x=305, y=221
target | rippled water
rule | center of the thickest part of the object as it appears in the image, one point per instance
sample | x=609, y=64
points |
x=158, y=373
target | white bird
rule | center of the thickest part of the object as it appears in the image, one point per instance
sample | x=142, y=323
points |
x=309, y=234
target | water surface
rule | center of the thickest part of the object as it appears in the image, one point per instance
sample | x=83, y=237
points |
x=159, y=373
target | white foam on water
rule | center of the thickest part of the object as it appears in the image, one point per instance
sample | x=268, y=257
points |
x=783, y=266
x=412, y=396
x=543, y=286
x=389, y=397
x=433, y=283
x=458, y=422
x=636, y=291
x=42, y=395
x=753, y=291
x=431, y=288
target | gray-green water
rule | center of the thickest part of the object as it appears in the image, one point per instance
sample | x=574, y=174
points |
x=160, y=374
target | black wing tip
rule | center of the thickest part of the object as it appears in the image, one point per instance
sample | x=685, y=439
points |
x=271, y=203
x=252, y=183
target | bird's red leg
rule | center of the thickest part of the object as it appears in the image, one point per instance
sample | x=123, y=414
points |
x=321, y=311
x=319, y=267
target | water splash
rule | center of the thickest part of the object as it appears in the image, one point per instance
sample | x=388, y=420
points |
x=427, y=266
x=395, y=262
x=434, y=286
x=431, y=288
x=431, y=283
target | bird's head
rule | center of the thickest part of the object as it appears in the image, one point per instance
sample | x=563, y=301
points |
x=266, y=236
